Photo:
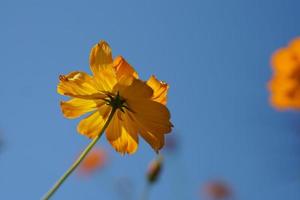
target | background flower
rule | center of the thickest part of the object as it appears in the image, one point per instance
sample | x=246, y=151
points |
x=217, y=190
x=94, y=161
x=285, y=83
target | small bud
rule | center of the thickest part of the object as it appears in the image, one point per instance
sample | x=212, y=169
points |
x=154, y=170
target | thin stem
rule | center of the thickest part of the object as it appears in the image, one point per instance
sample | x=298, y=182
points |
x=146, y=191
x=80, y=158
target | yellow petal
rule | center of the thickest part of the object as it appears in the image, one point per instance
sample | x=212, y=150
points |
x=106, y=79
x=100, y=56
x=160, y=90
x=76, y=107
x=76, y=83
x=93, y=124
x=137, y=90
x=123, y=69
x=122, y=133
x=101, y=63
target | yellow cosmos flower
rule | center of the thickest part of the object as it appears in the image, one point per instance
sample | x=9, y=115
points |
x=141, y=105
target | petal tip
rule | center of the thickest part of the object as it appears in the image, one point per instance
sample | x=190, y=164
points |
x=62, y=77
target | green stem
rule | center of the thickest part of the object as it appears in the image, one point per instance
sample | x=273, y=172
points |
x=146, y=191
x=80, y=158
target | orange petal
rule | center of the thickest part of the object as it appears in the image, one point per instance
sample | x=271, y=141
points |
x=156, y=141
x=285, y=93
x=122, y=134
x=152, y=115
x=152, y=119
x=93, y=124
x=160, y=89
x=76, y=83
x=123, y=69
x=279, y=83
x=76, y=107
x=137, y=90
x=284, y=62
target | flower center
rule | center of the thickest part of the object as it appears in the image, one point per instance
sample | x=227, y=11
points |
x=116, y=101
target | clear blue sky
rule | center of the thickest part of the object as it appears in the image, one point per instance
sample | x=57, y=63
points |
x=215, y=56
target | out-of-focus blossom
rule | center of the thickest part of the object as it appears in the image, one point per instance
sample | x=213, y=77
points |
x=284, y=86
x=95, y=160
x=216, y=190
x=154, y=169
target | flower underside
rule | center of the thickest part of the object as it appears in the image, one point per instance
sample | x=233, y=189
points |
x=116, y=101
x=140, y=106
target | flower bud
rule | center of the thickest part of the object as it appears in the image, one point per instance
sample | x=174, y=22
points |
x=154, y=170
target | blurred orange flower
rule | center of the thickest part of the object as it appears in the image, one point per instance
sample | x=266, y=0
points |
x=217, y=190
x=140, y=105
x=285, y=83
x=96, y=159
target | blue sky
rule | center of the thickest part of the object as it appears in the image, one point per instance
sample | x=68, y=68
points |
x=215, y=56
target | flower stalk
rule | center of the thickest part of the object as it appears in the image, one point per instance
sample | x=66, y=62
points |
x=51, y=192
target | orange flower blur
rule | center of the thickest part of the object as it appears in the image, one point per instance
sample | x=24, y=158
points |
x=217, y=190
x=96, y=159
x=284, y=86
x=141, y=105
